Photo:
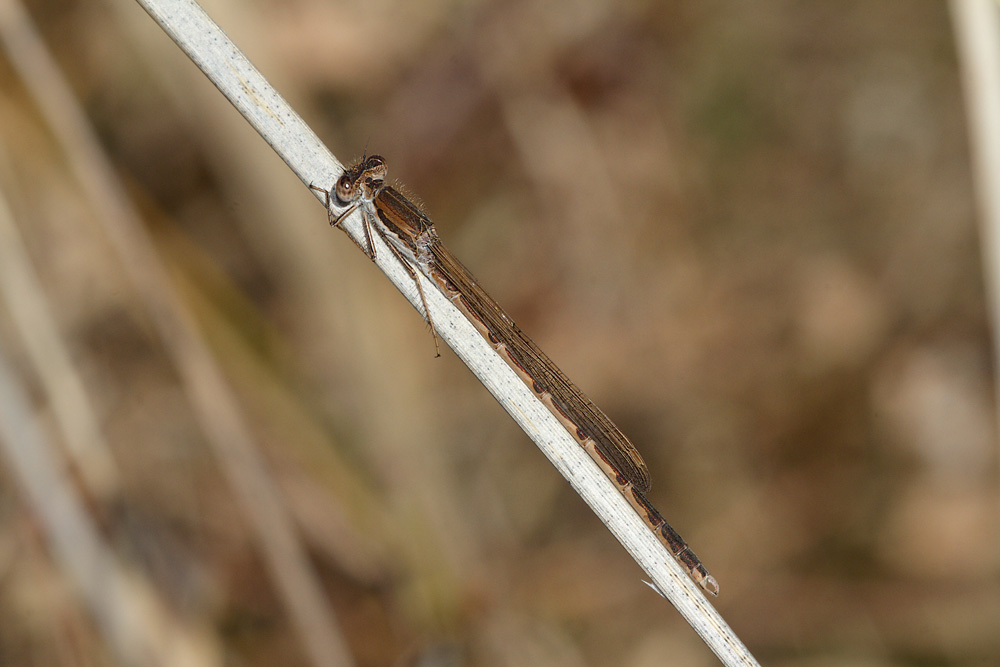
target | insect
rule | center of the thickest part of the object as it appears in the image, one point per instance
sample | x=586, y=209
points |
x=413, y=239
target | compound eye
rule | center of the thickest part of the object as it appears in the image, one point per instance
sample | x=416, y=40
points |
x=344, y=189
x=376, y=167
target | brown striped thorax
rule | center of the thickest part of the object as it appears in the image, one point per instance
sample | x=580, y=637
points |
x=363, y=185
x=412, y=238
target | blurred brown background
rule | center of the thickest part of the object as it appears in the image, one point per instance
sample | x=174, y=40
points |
x=747, y=232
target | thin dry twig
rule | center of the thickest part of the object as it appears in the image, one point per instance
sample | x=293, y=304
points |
x=299, y=147
x=977, y=36
x=214, y=403
x=30, y=311
x=136, y=623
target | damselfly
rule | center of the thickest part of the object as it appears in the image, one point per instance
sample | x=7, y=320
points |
x=412, y=238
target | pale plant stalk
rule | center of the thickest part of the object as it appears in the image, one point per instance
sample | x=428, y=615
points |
x=977, y=36
x=312, y=162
